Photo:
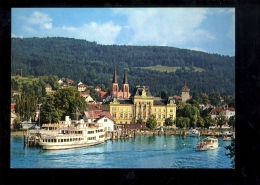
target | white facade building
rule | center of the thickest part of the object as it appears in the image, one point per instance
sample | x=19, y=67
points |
x=108, y=124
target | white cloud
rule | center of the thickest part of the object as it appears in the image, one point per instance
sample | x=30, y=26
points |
x=166, y=26
x=41, y=19
x=101, y=33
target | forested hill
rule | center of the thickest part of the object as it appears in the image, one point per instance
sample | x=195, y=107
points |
x=93, y=64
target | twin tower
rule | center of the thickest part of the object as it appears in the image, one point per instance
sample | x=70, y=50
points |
x=120, y=93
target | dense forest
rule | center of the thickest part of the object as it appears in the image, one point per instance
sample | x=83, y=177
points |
x=94, y=64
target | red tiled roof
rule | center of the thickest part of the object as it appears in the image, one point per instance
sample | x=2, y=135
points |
x=102, y=94
x=98, y=114
x=220, y=109
x=177, y=97
x=94, y=107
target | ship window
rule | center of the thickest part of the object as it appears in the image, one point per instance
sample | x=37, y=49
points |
x=70, y=139
x=55, y=140
x=51, y=140
x=61, y=140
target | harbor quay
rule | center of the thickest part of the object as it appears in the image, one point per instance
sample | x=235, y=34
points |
x=31, y=138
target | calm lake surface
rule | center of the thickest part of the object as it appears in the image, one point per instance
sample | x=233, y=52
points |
x=170, y=151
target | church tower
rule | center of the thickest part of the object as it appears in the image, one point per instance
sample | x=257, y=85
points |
x=125, y=87
x=114, y=85
x=185, y=95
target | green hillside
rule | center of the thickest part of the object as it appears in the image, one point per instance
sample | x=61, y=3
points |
x=94, y=64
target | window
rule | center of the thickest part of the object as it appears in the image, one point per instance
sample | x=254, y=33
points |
x=170, y=110
x=105, y=120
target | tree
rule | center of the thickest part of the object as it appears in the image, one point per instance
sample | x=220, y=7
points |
x=151, y=122
x=168, y=121
x=164, y=95
x=69, y=101
x=183, y=122
x=215, y=99
x=208, y=121
x=190, y=111
x=231, y=121
x=221, y=119
x=193, y=103
x=204, y=99
x=49, y=112
x=26, y=105
x=200, y=122
x=17, y=123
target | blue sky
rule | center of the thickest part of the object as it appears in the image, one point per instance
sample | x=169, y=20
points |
x=210, y=30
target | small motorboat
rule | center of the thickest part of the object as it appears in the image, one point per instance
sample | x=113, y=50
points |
x=193, y=132
x=226, y=138
x=225, y=133
x=208, y=143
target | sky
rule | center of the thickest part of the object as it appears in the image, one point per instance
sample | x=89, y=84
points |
x=210, y=30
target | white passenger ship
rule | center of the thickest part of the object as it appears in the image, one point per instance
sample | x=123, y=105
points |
x=81, y=135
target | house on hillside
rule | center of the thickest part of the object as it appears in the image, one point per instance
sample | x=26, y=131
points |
x=227, y=111
x=48, y=89
x=97, y=88
x=90, y=100
x=81, y=87
x=60, y=81
x=102, y=95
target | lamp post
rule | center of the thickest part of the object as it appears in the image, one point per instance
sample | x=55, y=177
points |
x=40, y=104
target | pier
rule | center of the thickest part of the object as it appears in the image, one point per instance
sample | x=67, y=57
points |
x=31, y=140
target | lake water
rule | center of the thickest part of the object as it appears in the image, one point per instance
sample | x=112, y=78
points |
x=170, y=151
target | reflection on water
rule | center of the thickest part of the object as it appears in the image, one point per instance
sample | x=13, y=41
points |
x=163, y=151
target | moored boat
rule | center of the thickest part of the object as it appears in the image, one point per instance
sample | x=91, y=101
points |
x=208, y=143
x=193, y=132
x=225, y=133
x=82, y=135
x=228, y=137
